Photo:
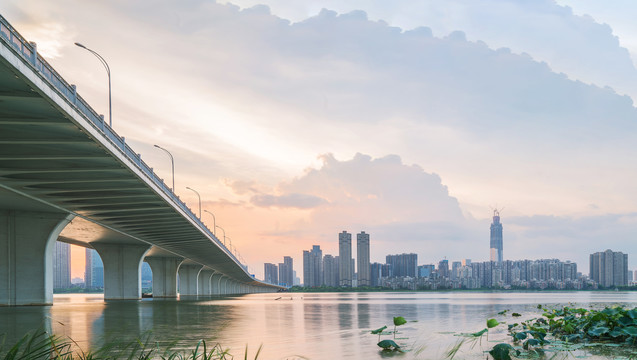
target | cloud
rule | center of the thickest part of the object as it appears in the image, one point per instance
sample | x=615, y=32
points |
x=577, y=45
x=301, y=201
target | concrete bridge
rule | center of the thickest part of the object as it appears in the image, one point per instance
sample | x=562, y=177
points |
x=66, y=175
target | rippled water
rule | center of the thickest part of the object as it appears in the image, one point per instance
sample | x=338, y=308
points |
x=315, y=326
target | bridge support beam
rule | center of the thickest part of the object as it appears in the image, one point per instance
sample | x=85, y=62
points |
x=122, y=264
x=205, y=288
x=164, y=275
x=188, y=279
x=27, y=242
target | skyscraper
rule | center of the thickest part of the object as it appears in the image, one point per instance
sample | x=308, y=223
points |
x=62, y=266
x=609, y=268
x=496, y=238
x=270, y=273
x=345, y=259
x=362, y=259
x=88, y=268
x=286, y=271
x=330, y=270
x=313, y=267
x=93, y=270
x=403, y=264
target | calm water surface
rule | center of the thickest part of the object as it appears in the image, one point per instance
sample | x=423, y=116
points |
x=315, y=326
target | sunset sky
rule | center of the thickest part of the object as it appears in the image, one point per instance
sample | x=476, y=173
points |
x=410, y=120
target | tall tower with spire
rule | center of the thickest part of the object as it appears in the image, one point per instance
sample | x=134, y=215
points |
x=496, y=238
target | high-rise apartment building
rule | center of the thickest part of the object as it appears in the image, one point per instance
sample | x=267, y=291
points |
x=363, y=269
x=286, y=272
x=403, y=264
x=88, y=268
x=93, y=270
x=443, y=268
x=376, y=271
x=313, y=267
x=609, y=268
x=345, y=275
x=330, y=270
x=496, y=238
x=455, y=270
x=62, y=266
x=271, y=273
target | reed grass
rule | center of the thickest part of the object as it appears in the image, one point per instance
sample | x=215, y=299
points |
x=40, y=345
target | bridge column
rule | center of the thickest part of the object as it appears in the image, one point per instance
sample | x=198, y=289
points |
x=223, y=287
x=188, y=275
x=205, y=275
x=122, y=264
x=27, y=242
x=214, y=281
x=164, y=275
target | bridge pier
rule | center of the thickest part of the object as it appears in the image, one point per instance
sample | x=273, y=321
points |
x=214, y=282
x=188, y=275
x=164, y=275
x=122, y=263
x=27, y=242
x=205, y=275
x=223, y=285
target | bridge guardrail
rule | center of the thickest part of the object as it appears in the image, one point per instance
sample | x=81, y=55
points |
x=29, y=52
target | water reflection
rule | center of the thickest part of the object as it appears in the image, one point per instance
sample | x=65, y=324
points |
x=317, y=326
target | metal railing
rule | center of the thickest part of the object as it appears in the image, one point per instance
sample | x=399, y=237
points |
x=28, y=51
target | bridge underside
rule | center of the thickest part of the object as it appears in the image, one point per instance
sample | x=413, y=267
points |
x=62, y=178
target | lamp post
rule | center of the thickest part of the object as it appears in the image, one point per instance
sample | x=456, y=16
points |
x=224, y=234
x=214, y=222
x=172, y=164
x=108, y=71
x=199, y=196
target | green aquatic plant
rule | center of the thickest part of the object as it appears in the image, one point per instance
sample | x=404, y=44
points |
x=389, y=345
x=398, y=321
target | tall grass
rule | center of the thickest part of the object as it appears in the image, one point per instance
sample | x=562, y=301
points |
x=40, y=345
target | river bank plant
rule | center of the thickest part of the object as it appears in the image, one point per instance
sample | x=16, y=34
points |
x=40, y=345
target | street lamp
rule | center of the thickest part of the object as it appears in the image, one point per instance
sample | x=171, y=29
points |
x=108, y=71
x=172, y=164
x=224, y=234
x=214, y=222
x=199, y=196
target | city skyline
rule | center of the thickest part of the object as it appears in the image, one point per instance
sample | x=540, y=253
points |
x=296, y=127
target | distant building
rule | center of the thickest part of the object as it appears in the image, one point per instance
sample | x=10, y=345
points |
x=93, y=270
x=286, y=272
x=443, y=268
x=403, y=264
x=345, y=259
x=455, y=270
x=425, y=271
x=609, y=268
x=62, y=266
x=496, y=238
x=330, y=270
x=362, y=259
x=375, y=273
x=313, y=267
x=270, y=273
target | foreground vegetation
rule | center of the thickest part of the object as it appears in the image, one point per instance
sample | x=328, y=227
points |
x=568, y=331
x=40, y=345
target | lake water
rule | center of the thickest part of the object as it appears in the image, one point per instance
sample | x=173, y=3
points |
x=296, y=325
